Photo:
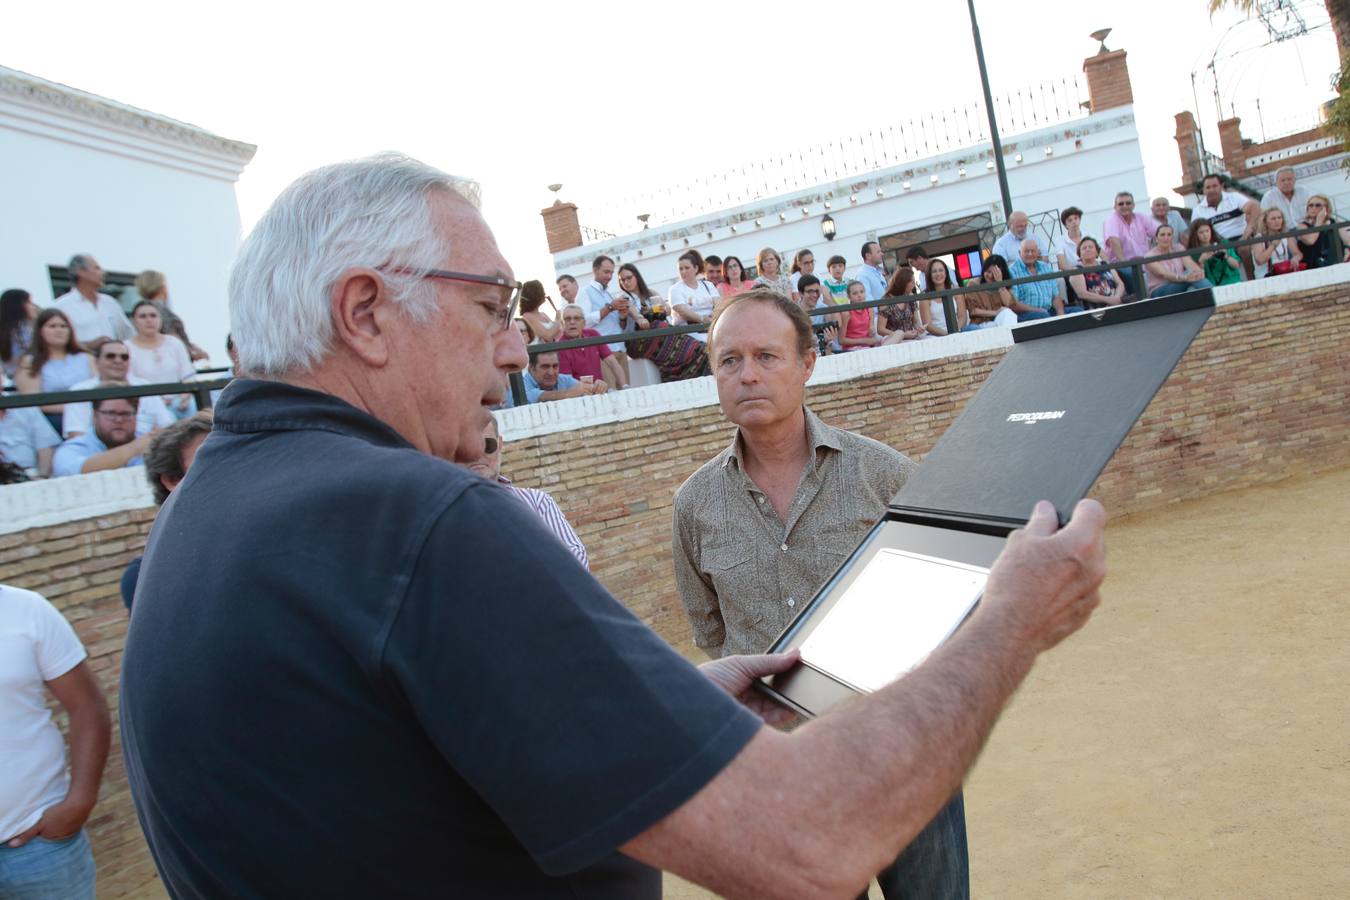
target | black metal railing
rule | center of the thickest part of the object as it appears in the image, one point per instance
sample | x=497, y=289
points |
x=200, y=390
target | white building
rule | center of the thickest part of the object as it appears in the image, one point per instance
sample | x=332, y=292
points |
x=947, y=202
x=84, y=174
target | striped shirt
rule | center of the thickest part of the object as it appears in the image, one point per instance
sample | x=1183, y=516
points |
x=743, y=573
x=547, y=509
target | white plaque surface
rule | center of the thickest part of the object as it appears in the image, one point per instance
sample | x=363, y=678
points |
x=898, y=610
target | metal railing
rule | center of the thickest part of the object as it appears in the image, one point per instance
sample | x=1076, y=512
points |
x=200, y=390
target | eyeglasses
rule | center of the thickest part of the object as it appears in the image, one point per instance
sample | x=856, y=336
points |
x=1312, y=205
x=116, y=416
x=510, y=290
x=122, y=356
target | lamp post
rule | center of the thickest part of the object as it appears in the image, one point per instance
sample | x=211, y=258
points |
x=993, y=120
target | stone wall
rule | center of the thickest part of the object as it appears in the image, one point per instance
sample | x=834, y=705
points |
x=1260, y=396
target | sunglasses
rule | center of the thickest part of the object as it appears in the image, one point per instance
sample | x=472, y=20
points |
x=122, y=356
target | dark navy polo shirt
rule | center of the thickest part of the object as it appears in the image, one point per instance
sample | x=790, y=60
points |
x=355, y=670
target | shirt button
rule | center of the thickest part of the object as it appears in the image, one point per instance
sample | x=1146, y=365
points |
x=783, y=548
x=791, y=602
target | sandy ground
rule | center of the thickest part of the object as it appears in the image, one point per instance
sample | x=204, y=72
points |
x=1193, y=740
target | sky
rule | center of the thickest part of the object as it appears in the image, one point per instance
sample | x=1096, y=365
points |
x=609, y=99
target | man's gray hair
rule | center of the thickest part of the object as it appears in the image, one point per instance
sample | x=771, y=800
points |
x=78, y=263
x=575, y=306
x=1282, y=169
x=373, y=213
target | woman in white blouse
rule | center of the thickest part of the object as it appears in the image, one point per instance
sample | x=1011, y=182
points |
x=159, y=358
x=692, y=298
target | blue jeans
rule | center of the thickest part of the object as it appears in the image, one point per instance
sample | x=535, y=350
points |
x=1179, y=287
x=936, y=864
x=1033, y=315
x=48, y=870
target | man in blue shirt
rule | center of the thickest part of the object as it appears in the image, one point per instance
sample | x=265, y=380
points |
x=1036, y=299
x=110, y=444
x=27, y=439
x=544, y=381
x=873, y=271
x=397, y=683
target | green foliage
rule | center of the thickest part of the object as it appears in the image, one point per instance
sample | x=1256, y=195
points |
x=1338, y=119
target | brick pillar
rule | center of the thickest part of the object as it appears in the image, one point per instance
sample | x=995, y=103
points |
x=561, y=226
x=1188, y=146
x=1108, y=79
x=1230, y=139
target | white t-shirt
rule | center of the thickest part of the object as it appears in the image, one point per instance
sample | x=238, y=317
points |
x=90, y=320
x=1226, y=218
x=151, y=413
x=700, y=299
x=1294, y=209
x=166, y=363
x=36, y=645
x=1069, y=247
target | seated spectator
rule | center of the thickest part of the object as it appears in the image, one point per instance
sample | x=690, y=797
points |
x=859, y=326
x=110, y=444
x=917, y=257
x=27, y=439
x=1224, y=209
x=1066, y=243
x=153, y=286
x=1162, y=213
x=712, y=269
x=901, y=319
x=1037, y=299
x=803, y=263
x=160, y=358
x=676, y=356
x=17, y=312
x=834, y=282
x=91, y=314
x=112, y=361
x=1128, y=236
x=932, y=313
x=168, y=457
x=1286, y=195
x=1317, y=247
x=544, y=381
x=1095, y=289
x=1278, y=256
x=526, y=332
x=827, y=327
x=1019, y=230
x=991, y=307
x=692, y=298
x=1171, y=276
x=1221, y=266
x=54, y=362
x=489, y=466
x=733, y=278
x=771, y=275
x=595, y=362
x=532, y=300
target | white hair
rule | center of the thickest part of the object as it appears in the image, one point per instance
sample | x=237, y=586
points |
x=570, y=306
x=370, y=212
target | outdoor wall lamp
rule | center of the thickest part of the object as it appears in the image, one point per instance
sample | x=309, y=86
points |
x=827, y=227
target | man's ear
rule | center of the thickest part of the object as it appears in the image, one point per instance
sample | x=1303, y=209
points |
x=362, y=310
x=809, y=361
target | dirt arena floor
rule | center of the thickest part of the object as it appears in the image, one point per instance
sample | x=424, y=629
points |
x=1194, y=739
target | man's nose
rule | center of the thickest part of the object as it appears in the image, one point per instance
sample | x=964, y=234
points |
x=511, y=355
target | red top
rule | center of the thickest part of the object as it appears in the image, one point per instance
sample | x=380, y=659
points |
x=582, y=360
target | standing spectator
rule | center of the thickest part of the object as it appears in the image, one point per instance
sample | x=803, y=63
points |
x=933, y=313
x=835, y=282
x=489, y=466
x=1220, y=265
x=153, y=286
x=168, y=456
x=1066, y=243
x=803, y=263
x=712, y=269
x=917, y=257
x=544, y=381
x=44, y=852
x=873, y=271
x=1095, y=289
x=903, y=319
x=1278, y=256
x=1171, y=276
x=770, y=267
x=677, y=356
x=91, y=314
x=111, y=444
x=1317, y=247
x=733, y=278
x=595, y=362
x=160, y=358
x=532, y=300
x=692, y=298
x=27, y=439
x=1009, y=246
x=1162, y=213
x=1232, y=215
x=54, y=362
x=601, y=313
x=17, y=312
x=1036, y=299
x=1128, y=236
x=568, y=289
x=112, y=360
x=1286, y=195
x=992, y=306
x=860, y=326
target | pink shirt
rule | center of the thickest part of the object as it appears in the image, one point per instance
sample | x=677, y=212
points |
x=582, y=360
x=859, y=326
x=1135, y=236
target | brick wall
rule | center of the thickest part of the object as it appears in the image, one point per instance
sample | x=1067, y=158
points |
x=1108, y=77
x=1260, y=396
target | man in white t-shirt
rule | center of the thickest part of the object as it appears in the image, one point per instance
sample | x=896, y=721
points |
x=92, y=315
x=38, y=799
x=1226, y=210
x=1287, y=196
x=112, y=360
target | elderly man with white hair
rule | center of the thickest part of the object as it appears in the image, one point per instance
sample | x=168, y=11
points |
x=1019, y=229
x=1287, y=196
x=1036, y=299
x=393, y=682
